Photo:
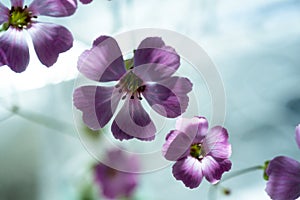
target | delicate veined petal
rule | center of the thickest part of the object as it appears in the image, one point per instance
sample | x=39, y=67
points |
x=17, y=3
x=54, y=8
x=177, y=145
x=213, y=170
x=169, y=97
x=154, y=61
x=134, y=121
x=97, y=104
x=284, y=178
x=86, y=1
x=113, y=183
x=3, y=60
x=4, y=13
x=13, y=44
x=196, y=127
x=188, y=170
x=119, y=133
x=104, y=62
x=298, y=135
x=216, y=143
x=49, y=41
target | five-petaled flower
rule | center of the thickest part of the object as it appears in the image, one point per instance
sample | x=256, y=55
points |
x=198, y=152
x=49, y=40
x=148, y=74
x=114, y=183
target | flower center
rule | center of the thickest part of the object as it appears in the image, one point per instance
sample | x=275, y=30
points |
x=196, y=151
x=20, y=17
x=131, y=84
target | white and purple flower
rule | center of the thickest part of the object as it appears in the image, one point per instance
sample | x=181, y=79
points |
x=49, y=40
x=115, y=184
x=148, y=74
x=198, y=152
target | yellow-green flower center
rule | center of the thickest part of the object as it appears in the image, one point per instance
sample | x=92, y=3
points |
x=131, y=84
x=196, y=151
x=20, y=17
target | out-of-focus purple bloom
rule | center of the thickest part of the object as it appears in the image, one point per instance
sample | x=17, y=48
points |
x=86, y=1
x=298, y=135
x=284, y=178
x=148, y=74
x=198, y=152
x=114, y=183
x=49, y=40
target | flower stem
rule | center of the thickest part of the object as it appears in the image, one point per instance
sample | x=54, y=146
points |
x=241, y=172
x=213, y=188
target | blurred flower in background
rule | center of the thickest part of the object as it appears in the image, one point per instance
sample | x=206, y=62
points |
x=113, y=183
x=198, y=152
x=148, y=73
x=49, y=40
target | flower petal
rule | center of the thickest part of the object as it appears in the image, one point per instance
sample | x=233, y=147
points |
x=134, y=121
x=86, y=1
x=103, y=62
x=216, y=143
x=213, y=170
x=54, y=8
x=196, y=127
x=3, y=60
x=97, y=104
x=17, y=3
x=13, y=44
x=169, y=97
x=284, y=178
x=188, y=170
x=49, y=41
x=177, y=145
x=4, y=13
x=298, y=135
x=154, y=61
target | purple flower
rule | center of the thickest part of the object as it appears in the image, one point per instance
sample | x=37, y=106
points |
x=86, y=1
x=198, y=152
x=49, y=40
x=284, y=178
x=114, y=183
x=298, y=135
x=148, y=74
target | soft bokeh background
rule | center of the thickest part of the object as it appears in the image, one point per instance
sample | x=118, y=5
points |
x=255, y=45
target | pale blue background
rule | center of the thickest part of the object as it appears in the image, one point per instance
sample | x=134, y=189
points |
x=255, y=45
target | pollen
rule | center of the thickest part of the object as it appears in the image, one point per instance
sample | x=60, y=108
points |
x=20, y=18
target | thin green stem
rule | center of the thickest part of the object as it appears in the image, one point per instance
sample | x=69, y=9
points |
x=241, y=172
